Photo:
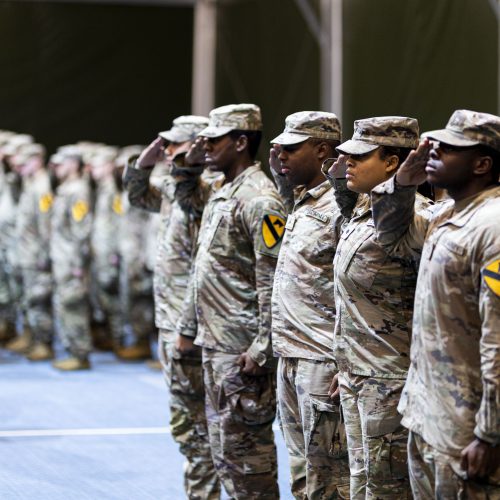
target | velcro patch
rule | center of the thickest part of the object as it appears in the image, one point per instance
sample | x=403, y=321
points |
x=45, y=202
x=273, y=228
x=79, y=210
x=491, y=276
x=117, y=205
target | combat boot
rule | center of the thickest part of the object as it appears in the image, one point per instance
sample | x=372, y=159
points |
x=136, y=352
x=7, y=331
x=20, y=344
x=71, y=364
x=40, y=352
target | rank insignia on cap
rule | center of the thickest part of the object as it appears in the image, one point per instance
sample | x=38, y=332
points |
x=79, y=210
x=273, y=228
x=45, y=202
x=491, y=276
x=117, y=205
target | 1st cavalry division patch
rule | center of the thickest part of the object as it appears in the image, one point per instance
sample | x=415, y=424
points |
x=491, y=276
x=45, y=202
x=79, y=210
x=273, y=228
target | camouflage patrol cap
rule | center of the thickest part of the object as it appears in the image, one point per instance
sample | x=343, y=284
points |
x=185, y=128
x=15, y=143
x=232, y=117
x=371, y=133
x=309, y=124
x=29, y=150
x=469, y=128
x=70, y=151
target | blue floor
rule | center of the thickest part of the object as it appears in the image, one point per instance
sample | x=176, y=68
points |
x=104, y=433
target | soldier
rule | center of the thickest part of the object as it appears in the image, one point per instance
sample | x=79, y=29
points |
x=69, y=250
x=374, y=304
x=10, y=275
x=33, y=243
x=182, y=371
x=303, y=308
x=451, y=398
x=239, y=240
x=105, y=246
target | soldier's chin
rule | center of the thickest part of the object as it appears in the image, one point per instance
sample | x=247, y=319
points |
x=213, y=166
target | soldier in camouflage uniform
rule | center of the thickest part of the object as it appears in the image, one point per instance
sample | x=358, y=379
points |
x=33, y=243
x=182, y=371
x=451, y=399
x=10, y=272
x=374, y=303
x=303, y=308
x=232, y=280
x=104, y=243
x=69, y=251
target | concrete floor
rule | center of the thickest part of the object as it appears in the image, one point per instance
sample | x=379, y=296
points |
x=96, y=435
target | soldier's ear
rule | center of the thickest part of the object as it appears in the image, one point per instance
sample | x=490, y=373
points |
x=323, y=151
x=392, y=164
x=241, y=143
x=482, y=165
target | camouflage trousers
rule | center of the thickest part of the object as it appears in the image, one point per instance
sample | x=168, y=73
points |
x=38, y=304
x=437, y=475
x=240, y=411
x=71, y=308
x=184, y=377
x=312, y=429
x=375, y=437
x=10, y=291
x=107, y=311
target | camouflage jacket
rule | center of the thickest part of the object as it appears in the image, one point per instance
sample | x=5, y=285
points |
x=374, y=292
x=33, y=222
x=175, y=246
x=303, y=305
x=71, y=223
x=233, y=271
x=8, y=213
x=453, y=388
x=108, y=212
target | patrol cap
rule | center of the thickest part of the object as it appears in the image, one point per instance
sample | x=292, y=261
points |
x=126, y=152
x=309, y=124
x=469, y=128
x=232, y=117
x=29, y=150
x=15, y=143
x=56, y=158
x=185, y=128
x=371, y=133
x=70, y=151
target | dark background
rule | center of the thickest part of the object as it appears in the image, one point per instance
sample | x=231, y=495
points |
x=119, y=74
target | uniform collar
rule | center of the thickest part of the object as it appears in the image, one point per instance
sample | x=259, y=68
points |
x=227, y=190
x=301, y=194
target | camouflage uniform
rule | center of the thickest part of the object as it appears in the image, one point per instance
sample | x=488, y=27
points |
x=303, y=312
x=69, y=251
x=374, y=303
x=452, y=393
x=108, y=213
x=33, y=244
x=183, y=373
x=232, y=283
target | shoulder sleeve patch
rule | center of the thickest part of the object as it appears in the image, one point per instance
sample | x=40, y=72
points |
x=273, y=227
x=45, y=202
x=79, y=210
x=491, y=276
x=117, y=205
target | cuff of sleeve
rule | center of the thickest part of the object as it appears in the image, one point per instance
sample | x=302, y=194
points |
x=487, y=438
x=181, y=171
x=258, y=356
x=188, y=334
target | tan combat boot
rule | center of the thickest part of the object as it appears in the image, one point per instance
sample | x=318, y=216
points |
x=40, y=352
x=7, y=331
x=71, y=364
x=20, y=344
x=137, y=352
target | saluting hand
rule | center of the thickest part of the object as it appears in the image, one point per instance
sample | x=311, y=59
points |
x=338, y=167
x=412, y=171
x=274, y=161
x=152, y=154
x=196, y=153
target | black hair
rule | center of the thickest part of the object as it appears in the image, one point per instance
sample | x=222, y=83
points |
x=253, y=136
x=401, y=153
x=331, y=143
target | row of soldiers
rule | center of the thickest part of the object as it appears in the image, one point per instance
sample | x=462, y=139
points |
x=74, y=256
x=362, y=310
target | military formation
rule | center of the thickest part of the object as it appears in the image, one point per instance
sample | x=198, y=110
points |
x=341, y=298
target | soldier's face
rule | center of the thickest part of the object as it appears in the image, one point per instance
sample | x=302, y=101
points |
x=299, y=162
x=66, y=168
x=220, y=152
x=175, y=148
x=449, y=166
x=364, y=172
